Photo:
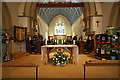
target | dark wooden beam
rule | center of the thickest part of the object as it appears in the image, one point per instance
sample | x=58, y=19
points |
x=53, y=5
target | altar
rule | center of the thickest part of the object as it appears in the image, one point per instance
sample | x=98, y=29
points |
x=73, y=51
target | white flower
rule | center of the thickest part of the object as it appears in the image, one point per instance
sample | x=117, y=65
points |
x=64, y=58
x=57, y=64
x=53, y=58
x=59, y=56
x=56, y=58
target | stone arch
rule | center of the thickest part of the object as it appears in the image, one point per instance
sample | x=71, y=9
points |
x=6, y=19
x=115, y=16
x=27, y=9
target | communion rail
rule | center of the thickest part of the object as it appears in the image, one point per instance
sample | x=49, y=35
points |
x=100, y=63
x=23, y=65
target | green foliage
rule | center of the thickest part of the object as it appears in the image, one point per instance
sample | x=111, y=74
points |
x=60, y=59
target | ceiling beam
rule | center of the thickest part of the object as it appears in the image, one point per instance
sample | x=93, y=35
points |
x=54, y=5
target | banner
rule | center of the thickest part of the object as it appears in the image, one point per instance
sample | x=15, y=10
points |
x=20, y=33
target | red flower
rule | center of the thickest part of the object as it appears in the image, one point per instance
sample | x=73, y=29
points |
x=60, y=60
x=94, y=50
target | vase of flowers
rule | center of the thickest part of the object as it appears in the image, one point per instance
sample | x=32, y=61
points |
x=60, y=59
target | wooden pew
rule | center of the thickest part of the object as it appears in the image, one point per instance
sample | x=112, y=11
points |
x=103, y=62
x=100, y=63
x=22, y=65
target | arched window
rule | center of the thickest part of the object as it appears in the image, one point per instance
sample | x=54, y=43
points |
x=59, y=28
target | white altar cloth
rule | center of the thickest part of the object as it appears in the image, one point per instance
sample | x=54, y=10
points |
x=75, y=50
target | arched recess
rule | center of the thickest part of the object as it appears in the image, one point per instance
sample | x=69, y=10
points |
x=115, y=16
x=68, y=28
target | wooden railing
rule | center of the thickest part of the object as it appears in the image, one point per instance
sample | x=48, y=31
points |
x=23, y=65
x=100, y=63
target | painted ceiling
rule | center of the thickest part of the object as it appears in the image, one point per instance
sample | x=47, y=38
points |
x=72, y=13
x=46, y=1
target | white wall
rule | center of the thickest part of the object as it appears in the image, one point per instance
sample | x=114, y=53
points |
x=43, y=27
x=21, y=8
x=99, y=8
x=25, y=22
x=98, y=28
x=106, y=11
x=77, y=27
x=67, y=25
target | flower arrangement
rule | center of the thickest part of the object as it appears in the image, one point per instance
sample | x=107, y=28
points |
x=60, y=59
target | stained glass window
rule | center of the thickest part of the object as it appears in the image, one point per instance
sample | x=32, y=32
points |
x=59, y=28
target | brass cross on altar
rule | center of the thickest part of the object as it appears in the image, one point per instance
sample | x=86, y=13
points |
x=97, y=22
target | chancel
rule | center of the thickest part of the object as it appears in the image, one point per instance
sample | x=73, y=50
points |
x=60, y=39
